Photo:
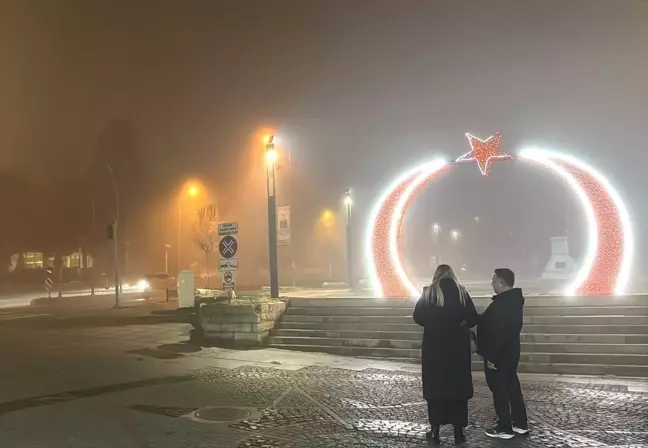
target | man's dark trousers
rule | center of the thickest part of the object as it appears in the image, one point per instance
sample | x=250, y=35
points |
x=507, y=395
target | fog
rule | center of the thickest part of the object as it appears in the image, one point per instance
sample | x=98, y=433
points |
x=168, y=93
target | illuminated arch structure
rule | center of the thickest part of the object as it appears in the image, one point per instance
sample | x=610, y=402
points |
x=605, y=269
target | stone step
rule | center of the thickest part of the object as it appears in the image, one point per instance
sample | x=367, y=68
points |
x=349, y=334
x=585, y=338
x=416, y=344
x=531, y=301
x=615, y=349
x=535, y=320
x=586, y=311
x=347, y=342
x=372, y=352
x=349, y=319
x=417, y=336
x=585, y=329
x=531, y=328
x=586, y=320
x=349, y=311
x=530, y=311
x=348, y=326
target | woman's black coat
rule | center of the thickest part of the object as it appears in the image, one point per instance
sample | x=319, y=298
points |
x=446, y=352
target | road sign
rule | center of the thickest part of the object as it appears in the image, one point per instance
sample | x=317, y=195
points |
x=227, y=228
x=228, y=246
x=228, y=264
x=229, y=281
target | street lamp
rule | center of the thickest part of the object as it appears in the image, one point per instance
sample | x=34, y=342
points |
x=455, y=235
x=348, y=205
x=271, y=157
x=166, y=258
x=191, y=191
x=114, y=235
x=435, y=230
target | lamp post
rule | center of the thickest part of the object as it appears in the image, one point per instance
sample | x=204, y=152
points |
x=191, y=191
x=271, y=156
x=348, y=205
x=114, y=235
x=166, y=258
x=435, y=230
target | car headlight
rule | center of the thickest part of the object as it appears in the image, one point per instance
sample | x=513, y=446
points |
x=143, y=285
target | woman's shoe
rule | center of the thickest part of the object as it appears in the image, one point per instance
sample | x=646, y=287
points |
x=459, y=435
x=433, y=435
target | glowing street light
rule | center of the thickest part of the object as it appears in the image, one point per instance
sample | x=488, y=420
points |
x=327, y=217
x=271, y=157
x=455, y=235
x=192, y=191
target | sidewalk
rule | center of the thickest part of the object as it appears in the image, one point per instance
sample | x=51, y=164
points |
x=235, y=399
x=117, y=378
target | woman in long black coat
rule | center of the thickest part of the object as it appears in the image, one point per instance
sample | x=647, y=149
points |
x=447, y=312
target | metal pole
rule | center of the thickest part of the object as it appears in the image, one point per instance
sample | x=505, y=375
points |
x=272, y=220
x=116, y=262
x=114, y=234
x=180, y=231
x=349, y=241
x=166, y=258
x=126, y=258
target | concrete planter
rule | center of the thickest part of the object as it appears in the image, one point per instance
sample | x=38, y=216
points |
x=242, y=322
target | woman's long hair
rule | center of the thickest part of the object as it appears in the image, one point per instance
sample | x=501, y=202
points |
x=434, y=294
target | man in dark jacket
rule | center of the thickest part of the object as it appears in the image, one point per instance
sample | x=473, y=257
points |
x=498, y=340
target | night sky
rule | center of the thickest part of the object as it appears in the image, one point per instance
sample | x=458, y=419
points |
x=363, y=88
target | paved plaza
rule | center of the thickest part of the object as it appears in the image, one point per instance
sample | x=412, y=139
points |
x=124, y=380
x=318, y=407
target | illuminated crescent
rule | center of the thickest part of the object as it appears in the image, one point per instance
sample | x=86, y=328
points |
x=607, y=263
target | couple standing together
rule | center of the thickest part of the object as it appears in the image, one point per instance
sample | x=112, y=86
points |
x=447, y=312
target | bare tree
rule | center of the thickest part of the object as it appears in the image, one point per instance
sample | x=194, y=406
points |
x=204, y=240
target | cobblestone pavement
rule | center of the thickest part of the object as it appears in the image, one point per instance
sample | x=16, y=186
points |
x=313, y=407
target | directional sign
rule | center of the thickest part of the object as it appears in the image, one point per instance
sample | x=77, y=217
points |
x=228, y=228
x=228, y=246
x=228, y=264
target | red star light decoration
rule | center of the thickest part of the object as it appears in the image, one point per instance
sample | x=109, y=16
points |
x=484, y=152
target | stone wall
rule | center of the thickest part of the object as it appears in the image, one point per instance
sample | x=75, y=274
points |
x=242, y=322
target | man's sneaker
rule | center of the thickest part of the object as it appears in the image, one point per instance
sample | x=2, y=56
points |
x=499, y=433
x=522, y=430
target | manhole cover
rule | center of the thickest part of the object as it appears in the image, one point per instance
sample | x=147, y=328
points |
x=223, y=414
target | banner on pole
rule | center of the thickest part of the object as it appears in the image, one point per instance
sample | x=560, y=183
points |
x=283, y=226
